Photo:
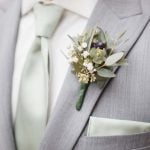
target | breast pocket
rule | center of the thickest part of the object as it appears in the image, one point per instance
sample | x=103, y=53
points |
x=128, y=142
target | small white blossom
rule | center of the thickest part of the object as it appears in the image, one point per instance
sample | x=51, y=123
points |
x=73, y=59
x=80, y=48
x=90, y=66
x=85, y=63
x=84, y=78
x=93, y=78
x=84, y=45
x=85, y=54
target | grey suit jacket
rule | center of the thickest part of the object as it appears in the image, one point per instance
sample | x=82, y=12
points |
x=125, y=97
x=9, y=19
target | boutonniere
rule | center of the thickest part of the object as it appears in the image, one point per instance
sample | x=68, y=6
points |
x=93, y=58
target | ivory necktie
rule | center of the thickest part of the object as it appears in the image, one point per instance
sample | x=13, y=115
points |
x=31, y=116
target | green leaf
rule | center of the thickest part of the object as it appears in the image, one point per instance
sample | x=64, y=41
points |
x=103, y=72
x=109, y=41
x=111, y=60
x=93, y=52
x=99, y=78
x=101, y=35
x=98, y=60
x=91, y=35
x=122, y=62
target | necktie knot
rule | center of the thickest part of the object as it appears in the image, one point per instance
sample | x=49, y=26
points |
x=46, y=19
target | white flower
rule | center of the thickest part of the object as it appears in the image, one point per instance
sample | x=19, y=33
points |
x=90, y=67
x=93, y=78
x=85, y=54
x=85, y=63
x=84, y=45
x=80, y=48
x=83, y=78
x=73, y=59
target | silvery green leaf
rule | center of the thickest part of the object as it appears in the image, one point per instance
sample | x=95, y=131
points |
x=103, y=72
x=92, y=52
x=111, y=60
x=122, y=62
x=98, y=60
x=99, y=78
x=102, y=35
x=92, y=33
x=109, y=41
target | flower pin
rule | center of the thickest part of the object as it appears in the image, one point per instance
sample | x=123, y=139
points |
x=93, y=58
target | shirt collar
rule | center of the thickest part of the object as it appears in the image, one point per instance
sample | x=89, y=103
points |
x=81, y=7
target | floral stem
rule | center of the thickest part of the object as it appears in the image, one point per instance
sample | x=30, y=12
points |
x=83, y=89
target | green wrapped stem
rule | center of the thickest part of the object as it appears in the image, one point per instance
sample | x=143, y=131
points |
x=83, y=90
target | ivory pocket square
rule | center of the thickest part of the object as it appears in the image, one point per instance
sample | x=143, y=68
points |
x=113, y=127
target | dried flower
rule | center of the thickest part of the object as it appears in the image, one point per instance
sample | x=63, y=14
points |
x=93, y=78
x=80, y=48
x=73, y=59
x=90, y=66
x=83, y=78
x=84, y=45
x=85, y=54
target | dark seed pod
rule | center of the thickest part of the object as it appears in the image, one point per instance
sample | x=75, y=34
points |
x=100, y=45
x=104, y=44
x=93, y=45
x=108, y=50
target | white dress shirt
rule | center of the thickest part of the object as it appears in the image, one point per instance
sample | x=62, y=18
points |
x=74, y=20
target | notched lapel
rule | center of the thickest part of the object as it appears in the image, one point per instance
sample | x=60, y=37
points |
x=66, y=123
x=125, y=8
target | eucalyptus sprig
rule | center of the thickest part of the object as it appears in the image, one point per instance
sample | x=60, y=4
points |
x=93, y=58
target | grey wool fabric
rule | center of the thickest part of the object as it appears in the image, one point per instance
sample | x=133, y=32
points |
x=125, y=97
x=9, y=21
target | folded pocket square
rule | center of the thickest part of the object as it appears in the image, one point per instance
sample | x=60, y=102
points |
x=113, y=127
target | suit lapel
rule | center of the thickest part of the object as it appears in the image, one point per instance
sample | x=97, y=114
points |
x=145, y=7
x=9, y=19
x=124, y=9
x=66, y=124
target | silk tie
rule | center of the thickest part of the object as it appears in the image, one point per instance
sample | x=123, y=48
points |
x=32, y=109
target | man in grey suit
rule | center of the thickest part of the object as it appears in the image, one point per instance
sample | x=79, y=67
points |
x=126, y=97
